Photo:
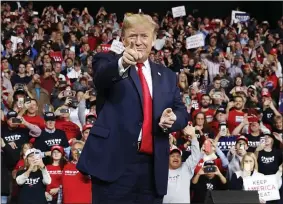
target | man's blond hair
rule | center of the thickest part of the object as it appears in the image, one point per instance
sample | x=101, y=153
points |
x=137, y=19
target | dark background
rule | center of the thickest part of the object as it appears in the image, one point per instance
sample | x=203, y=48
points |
x=266, y=10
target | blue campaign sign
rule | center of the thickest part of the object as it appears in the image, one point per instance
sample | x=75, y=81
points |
x=242, y=17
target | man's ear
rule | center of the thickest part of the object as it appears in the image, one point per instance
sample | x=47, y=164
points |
x=123, y=41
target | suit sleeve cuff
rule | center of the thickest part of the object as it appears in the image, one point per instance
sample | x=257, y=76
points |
x=121, y=69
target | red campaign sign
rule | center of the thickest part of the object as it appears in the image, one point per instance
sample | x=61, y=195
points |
x=56, y=56
x=105, y=47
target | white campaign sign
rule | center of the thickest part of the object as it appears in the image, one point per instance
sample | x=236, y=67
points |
x=195, y=41
x=117, y=47
x=266, y=186
x=233, y=16
x=178, y=11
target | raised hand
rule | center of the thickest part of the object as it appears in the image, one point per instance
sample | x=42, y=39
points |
x=131, y=56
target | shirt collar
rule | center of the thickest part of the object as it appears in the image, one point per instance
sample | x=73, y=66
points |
x=146, y=65
x=50, y=131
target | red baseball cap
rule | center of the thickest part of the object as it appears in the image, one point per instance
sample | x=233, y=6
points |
x=88, y=126
x=253, y=119
x=57, y=147
x=175, y=149
x=242, y=137
x=273, y=51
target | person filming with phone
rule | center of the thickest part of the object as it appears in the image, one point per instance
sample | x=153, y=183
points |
x=208, y=178
x=235, y=155
x=32, y=179
x=17, y=131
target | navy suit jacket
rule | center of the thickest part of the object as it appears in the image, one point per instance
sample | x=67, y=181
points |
x=112, y=142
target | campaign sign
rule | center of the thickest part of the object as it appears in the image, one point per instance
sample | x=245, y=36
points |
x=195, y=41
x=56, y=56
x=178, y=11
x=242, y=17
x=105, y=47
x=266, y=186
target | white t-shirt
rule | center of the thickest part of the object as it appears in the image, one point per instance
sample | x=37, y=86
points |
x=173, y=178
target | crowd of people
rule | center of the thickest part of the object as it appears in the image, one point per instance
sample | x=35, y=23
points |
x=232, y=89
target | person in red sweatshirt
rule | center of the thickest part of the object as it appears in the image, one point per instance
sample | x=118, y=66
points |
x=71, y=129
x=55, y=169
x=205, y=102
x=76, y=186
x=31, y=114
x=236, y=115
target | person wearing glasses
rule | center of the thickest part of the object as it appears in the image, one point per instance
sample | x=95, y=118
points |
x=76, y=186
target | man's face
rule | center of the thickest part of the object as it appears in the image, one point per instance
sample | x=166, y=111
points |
x=221, y=117
x=241, y=147
x=238, y=103
x=167, y=53
x=46, y=59
x=175, y=160
x=185, y=59
x=212, y=42
x=69, y=63
x=5, y=64
x=10, y=124
x=75, y=149
x=22, y=69
x=142, y=36
x=254, y=126
x=57, y=68
x=50, y=124
x=205, y=101
x=217, y=84
x=33, y=107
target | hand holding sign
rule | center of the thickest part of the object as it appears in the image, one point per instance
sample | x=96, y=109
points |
x=131, y=55
x=117, y=46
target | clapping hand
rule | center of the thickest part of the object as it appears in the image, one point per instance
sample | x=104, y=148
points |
x=167, y=119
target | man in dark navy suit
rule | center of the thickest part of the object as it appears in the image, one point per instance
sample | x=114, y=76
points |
x=138, y=105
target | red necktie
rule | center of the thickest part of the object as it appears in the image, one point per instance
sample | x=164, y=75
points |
x=146, y=143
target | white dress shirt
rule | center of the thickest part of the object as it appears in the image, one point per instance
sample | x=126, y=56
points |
x=146, y=70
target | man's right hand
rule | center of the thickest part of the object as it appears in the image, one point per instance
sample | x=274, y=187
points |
x=130, y=56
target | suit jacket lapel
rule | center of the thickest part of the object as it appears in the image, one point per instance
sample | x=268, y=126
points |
x=136, y=80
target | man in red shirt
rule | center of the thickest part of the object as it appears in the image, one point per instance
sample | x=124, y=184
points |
x=76, y=186
x=71, y=129
x=205, y=102
x=236, y=115
x=31, y=114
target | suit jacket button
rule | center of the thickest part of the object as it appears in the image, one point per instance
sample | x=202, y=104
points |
x=134, y=144
x=140, y=123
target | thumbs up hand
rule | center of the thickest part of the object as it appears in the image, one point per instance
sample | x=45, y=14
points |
x=131, y=56
x=167, y=119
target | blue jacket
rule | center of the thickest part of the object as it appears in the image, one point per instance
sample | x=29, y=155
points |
x=111, y=144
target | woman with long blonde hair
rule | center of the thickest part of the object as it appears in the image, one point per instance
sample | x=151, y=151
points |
x=249, y=167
